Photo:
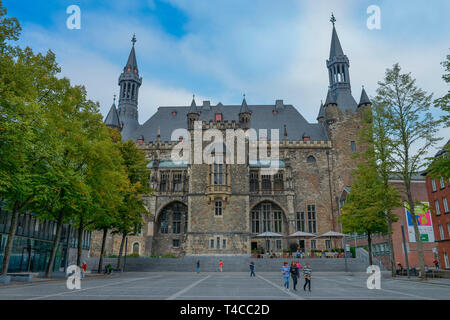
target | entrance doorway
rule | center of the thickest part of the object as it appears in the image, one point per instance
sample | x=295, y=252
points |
x=301, y=244
x=254, y=246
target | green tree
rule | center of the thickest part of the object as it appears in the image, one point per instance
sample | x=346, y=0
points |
x=367, y=202
x=375, y=136
x=22, y=75
x=412, y=131
x=132, y=208
x=440, y=166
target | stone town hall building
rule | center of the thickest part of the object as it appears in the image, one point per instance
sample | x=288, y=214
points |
x=219, y=208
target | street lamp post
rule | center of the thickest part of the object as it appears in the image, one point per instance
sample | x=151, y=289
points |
x=405, y=250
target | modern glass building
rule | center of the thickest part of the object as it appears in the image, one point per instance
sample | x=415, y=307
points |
x=34, y=240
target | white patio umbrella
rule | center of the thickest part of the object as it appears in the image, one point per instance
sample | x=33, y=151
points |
x=330, y=235
x=301, y=234
x=268, y=234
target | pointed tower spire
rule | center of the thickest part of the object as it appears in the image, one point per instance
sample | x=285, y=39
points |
x=132, y=62
x=129, y=82
x=112, y=119
x=244, y=115
x=193, y=107
x=244, y=106
x=338, y=70
x=364, y=98
x=321, y=111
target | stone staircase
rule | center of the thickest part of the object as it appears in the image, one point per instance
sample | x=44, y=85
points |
x=231, y=263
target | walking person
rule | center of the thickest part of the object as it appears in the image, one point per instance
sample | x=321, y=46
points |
x=220, y=265
x=252, y=269
x=83, y=269
x=294, y=274
x=307, y=275
x=198, y=266
x=436, y=263
x=285, y=271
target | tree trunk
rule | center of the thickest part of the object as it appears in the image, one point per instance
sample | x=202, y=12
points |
x=11, y=236
x=369, y=243
x=119, y=260
x=417, y=233
x=80, y=241
x=59, y=225
x=102, y=251
x=391, y=244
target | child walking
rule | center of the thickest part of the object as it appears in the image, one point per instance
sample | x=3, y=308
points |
x=307, y=275
x=286, y=271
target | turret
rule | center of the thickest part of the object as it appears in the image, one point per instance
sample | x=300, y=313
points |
x=129, y=82
x=244, y=115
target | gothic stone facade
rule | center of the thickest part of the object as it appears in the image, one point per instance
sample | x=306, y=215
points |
x=219, y=209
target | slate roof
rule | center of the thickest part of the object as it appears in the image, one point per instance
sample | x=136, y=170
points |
x=132, y=62
x=112, y=119
x=336, y=48
x=262, y=117
x=364, y=98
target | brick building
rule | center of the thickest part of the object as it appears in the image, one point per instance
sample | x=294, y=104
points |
x=201, y=208
x=439, y=195
x=380, y=243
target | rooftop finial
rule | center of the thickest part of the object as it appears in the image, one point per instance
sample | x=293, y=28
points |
x=134, y=39
x=333, y=19
x=114, y=100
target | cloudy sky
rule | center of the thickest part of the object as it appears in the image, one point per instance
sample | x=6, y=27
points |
x=220, y=49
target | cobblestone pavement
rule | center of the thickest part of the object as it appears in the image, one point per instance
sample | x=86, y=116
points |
x=224, y=286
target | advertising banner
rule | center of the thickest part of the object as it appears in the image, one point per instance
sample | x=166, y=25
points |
x=423, y=215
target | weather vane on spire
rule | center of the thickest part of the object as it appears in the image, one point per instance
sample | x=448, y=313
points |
x=333, y=19
x=134, y=39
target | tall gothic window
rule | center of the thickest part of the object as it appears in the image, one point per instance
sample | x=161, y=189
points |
x=267, y=217
x=277, y=222
x=176, y=222
x=218, y=208
x=173, y=215
x=164, y=222
x=266, y=183
x=218, y=174
x=177, y=181
x=267, y=221
x=255, y=221
x=312, y=218
x=254, y=183
x=163, y=186
x=278, y=182
x=300, y=221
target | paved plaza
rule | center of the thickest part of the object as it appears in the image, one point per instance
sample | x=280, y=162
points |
x=224, y=286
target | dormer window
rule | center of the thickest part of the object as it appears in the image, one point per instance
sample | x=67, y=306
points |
x=306, y=138
x=174, y=113
x=218, y=117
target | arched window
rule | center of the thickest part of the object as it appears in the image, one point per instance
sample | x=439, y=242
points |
x=136, y=247
x=311, y=159
x=175, y=216
x=267, y=217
